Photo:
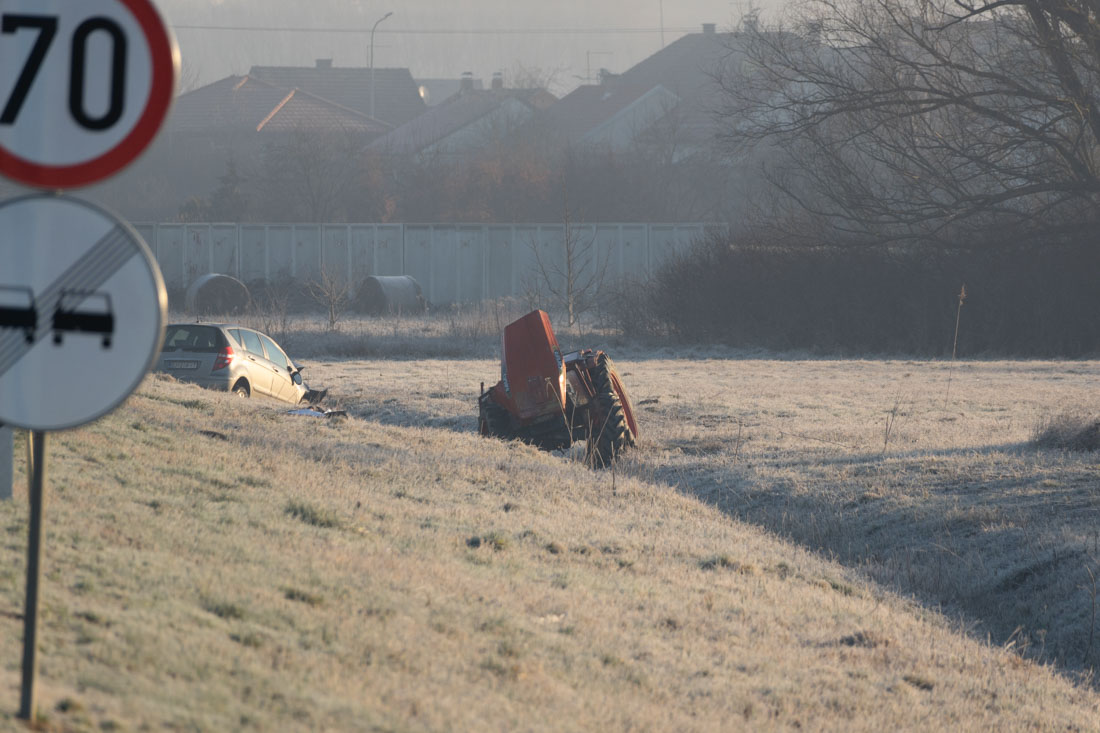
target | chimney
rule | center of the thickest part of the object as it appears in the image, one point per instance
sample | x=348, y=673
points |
x=709, y=28
x=467, y=84
x=498, y=81
x=324, y=63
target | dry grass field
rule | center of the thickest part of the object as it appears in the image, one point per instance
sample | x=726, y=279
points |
x=923, y=476
x=796, y=544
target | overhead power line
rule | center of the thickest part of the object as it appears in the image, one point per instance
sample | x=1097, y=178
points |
x=435, y=31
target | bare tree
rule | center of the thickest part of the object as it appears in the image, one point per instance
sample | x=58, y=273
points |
x=925, y=117
x=577, y=274
x=678, y=174
x=535, y=77
x=312, y=175
x=227, y=202
x=332, y=291
x=271, y=306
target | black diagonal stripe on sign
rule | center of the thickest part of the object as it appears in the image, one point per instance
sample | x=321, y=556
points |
x=95, y=267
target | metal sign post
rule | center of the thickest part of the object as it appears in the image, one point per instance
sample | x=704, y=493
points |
x=7, y=462
x=28, y=702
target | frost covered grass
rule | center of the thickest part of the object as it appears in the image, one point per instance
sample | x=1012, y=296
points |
x=949, y=499
x=217, y=564
x=1070, y=430
x=471, y=331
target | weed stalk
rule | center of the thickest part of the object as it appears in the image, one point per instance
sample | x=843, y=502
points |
x=955, y=343
x=1092, y=618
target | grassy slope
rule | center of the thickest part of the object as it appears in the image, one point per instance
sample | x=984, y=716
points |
x=954, y=505
x=308, y=574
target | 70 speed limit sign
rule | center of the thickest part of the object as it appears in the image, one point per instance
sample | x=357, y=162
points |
x=84, y=87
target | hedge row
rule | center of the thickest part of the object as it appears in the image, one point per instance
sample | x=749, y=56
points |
x=1034, y=301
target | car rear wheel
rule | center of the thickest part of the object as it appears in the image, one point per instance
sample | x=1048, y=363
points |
x=241, y=389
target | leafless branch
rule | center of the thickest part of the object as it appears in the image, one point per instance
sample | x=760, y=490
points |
x=898, y=118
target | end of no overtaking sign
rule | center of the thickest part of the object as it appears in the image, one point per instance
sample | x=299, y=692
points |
x=84, y=87
x=81, y=312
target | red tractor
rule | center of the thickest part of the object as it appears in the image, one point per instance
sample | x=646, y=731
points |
x=550, y=400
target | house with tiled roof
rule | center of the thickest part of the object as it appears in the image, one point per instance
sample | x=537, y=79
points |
x=467, y=121
x=245, y=127
x=393, y=94
x=250, y=106
x=676, y=83
x=608, y=115
x=646, y=142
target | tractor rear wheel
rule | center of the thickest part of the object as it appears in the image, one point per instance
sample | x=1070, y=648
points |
x=493, y=421
x=609, y=431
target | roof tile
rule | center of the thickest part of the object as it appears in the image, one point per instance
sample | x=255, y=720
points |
x=396, y=97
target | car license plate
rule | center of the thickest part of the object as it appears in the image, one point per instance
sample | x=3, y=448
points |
x=181, y=364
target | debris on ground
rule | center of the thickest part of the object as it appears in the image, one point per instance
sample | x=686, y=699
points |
x=314, y=396
x=314, y=412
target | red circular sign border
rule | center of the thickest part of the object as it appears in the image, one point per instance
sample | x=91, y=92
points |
x=162, y=53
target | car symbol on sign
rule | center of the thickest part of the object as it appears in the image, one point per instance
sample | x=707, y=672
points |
x=77, y=313
x=17, y=310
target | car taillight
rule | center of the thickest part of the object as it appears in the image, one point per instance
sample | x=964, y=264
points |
x=223, y=359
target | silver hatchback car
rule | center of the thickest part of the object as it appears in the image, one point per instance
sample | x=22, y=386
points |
x=231, y=357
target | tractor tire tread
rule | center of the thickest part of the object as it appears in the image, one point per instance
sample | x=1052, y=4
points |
x=494, y=420
x=613, y=436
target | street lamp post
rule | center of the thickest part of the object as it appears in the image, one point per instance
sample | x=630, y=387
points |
x=373, y=28
x=661, y=9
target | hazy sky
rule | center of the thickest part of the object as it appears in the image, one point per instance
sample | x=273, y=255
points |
x=441, y=38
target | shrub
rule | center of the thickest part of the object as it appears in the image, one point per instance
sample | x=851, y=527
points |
x=310, y=514
x=295, y=594
x=224, y=609
x=497, y=540
x=1074, y=431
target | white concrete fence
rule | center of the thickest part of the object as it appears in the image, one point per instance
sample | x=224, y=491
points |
x=454, y=263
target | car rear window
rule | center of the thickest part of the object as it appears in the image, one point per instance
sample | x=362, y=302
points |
x=187, y=337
